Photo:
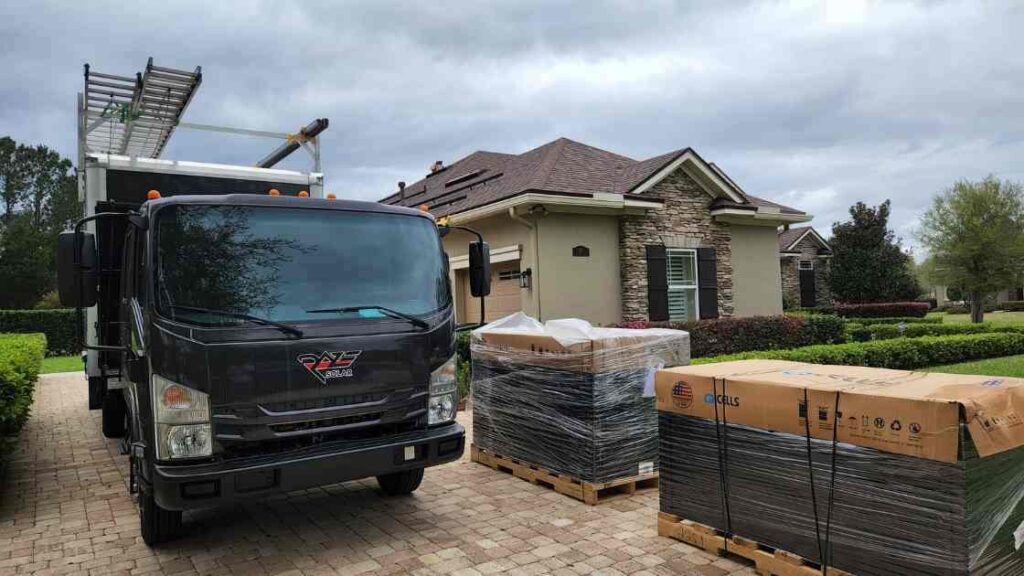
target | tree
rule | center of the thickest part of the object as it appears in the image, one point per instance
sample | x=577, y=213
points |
x=974, y=232
x=38, y=199
x=868, y=264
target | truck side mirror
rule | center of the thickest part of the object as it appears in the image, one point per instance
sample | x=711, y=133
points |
x=76, y=269
x=479, y=269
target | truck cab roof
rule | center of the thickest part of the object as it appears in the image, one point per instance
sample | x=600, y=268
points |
x=282, y=202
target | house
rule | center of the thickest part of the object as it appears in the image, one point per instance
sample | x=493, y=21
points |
x=576, y=231
x=804, y=259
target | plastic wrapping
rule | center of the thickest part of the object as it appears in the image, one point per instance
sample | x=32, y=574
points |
x=890, y=514
x=569, y=397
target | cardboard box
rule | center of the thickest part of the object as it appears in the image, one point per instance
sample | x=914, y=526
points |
x=926, y=474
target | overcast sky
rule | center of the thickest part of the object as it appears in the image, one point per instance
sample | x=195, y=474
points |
x=814, y=105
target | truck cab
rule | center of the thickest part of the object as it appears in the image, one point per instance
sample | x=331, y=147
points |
x=245, y=344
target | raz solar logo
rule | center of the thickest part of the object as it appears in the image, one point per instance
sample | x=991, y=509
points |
x=328, y=366
x=682, y=395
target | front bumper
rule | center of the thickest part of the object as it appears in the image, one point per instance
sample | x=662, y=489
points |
x=188, y=486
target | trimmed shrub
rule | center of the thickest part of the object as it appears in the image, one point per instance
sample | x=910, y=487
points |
x=21, y=358
x=886, y=331
x=59, y=326
x=899, y=353
x=463, y=367
x=883, y=309
x=898, y=320
x=1011, y=306
x=965, y=308
x=729, y=335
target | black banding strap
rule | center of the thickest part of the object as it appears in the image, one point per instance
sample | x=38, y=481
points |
x=722, y=438
x=831, y=490
x=810, y=470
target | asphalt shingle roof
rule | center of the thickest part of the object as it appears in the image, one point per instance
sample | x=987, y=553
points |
x=562, y=166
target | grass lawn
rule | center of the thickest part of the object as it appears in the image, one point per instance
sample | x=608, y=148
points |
x=61, y=364
x=1005, y=366
x=994, y=317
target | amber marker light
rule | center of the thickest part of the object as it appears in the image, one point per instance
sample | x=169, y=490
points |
x=331, y=196
x=274, y=192
x=303, y=194
x=153, y=195
x=424, y=208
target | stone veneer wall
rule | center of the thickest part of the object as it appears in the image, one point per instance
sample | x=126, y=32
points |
x=684, y=222
x=789, y=266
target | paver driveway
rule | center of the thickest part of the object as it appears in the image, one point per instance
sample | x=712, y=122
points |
x=65, y=510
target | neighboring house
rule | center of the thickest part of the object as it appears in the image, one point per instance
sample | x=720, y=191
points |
x=576, y=231
x=804, y=258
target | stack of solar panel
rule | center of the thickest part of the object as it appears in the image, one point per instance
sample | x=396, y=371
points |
x=855, y=508
x=583, y=408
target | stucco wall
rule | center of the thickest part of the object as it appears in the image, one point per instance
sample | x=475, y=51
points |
x=755, y=262
x=684, y=222
x=579, y=287
x=498, y=232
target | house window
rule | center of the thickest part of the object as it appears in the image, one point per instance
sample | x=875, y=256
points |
x=682, y=284
x=580, y=251
x=807, y=264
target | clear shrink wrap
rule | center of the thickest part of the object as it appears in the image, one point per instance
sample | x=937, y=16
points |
x=569, y=397
x=870, y=471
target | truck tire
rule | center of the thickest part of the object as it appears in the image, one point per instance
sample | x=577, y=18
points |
x=115, y=414
x=96, y=389
x=401, y=483
x=157, y=525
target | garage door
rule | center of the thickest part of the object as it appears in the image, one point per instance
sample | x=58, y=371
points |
x=505, y=296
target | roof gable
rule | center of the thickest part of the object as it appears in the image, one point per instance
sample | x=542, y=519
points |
x=791, y=238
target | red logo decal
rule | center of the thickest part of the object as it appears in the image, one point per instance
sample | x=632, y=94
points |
x=329, y=365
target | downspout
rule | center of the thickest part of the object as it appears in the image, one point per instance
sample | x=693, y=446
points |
x=535, y=282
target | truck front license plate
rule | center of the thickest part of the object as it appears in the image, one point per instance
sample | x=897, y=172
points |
x=410, y=453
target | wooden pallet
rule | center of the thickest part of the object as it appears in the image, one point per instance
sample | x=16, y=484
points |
x=767, y=561
x=587, y=492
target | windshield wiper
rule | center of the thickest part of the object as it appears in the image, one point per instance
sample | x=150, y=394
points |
x=418, y=322
x=254, y=319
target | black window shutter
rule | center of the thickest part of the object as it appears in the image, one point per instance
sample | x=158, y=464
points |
x=657, y=283
x=707, y=282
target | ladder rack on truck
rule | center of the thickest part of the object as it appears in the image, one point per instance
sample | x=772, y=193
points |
x=124, y=125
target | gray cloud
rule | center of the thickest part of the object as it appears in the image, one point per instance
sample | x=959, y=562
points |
x=814, y=105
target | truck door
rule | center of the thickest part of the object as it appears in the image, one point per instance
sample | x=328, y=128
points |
x=132, y=306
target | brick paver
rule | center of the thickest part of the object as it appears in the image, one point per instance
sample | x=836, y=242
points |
x=65, y=510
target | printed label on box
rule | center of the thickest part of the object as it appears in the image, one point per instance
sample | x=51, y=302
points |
x=646, y=468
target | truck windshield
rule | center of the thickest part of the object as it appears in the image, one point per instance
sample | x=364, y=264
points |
x=290, y=264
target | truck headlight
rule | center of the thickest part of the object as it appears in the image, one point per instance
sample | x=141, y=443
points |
x=183, y=428
x=444, y=394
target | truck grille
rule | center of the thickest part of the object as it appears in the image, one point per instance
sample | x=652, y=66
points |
x=326, y=423
x=320, y=403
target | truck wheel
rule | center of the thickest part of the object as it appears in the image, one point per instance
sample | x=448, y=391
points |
x=96, y=390
x=158, y=525
x=401, y=483
x=115, y=414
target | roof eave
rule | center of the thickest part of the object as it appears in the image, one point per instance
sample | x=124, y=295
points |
x=585, y=203
x=758, y=217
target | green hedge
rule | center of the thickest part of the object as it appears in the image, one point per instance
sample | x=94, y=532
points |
x=900, y=353
x=21, y=357
x=883, y=309
x=897, y=320
x=886, y=331
x=59, y=326
x=731, y=335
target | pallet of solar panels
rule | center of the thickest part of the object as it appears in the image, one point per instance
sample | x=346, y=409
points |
x=854, y=470
x=570, y=399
